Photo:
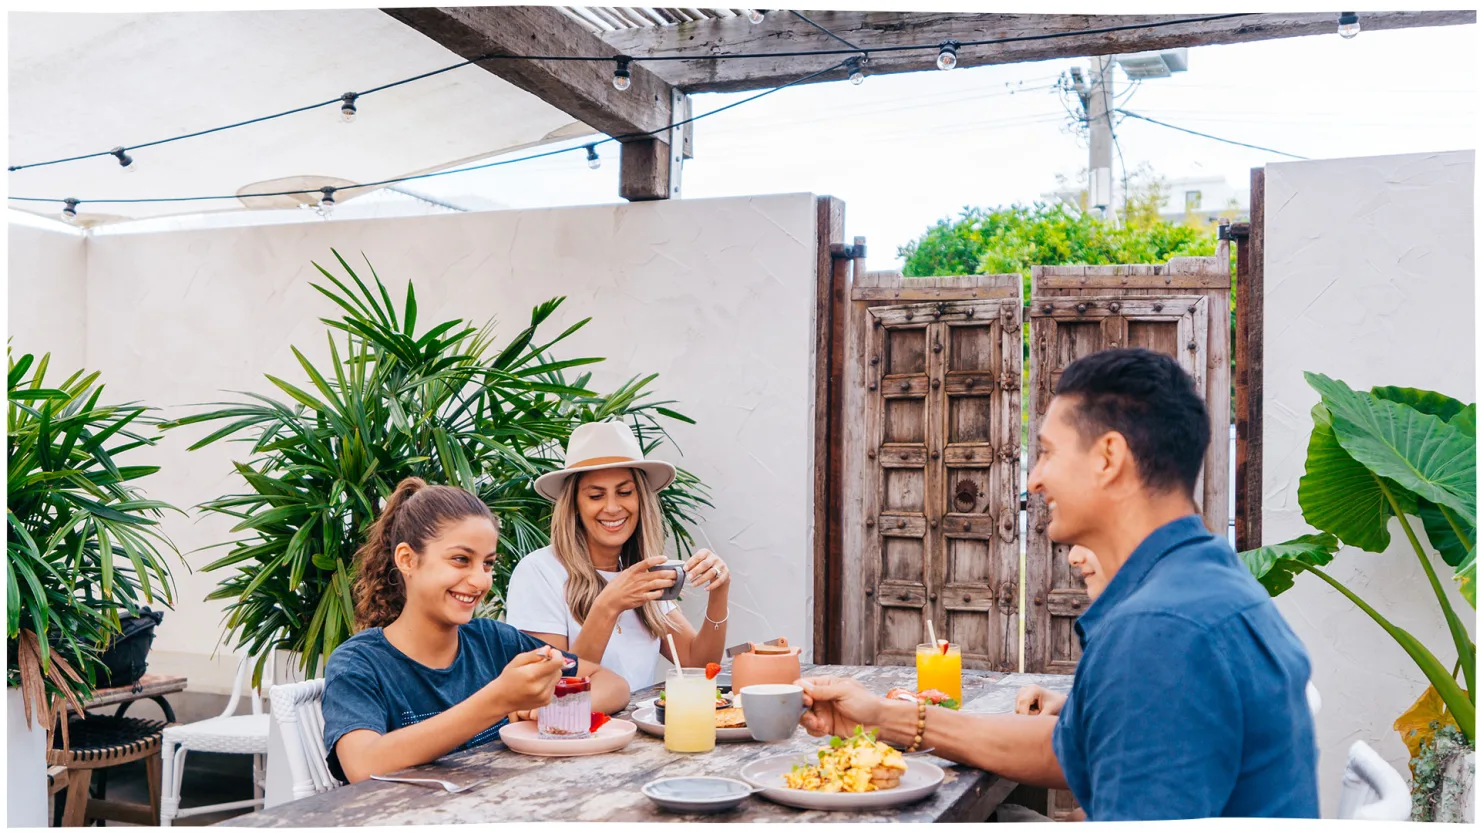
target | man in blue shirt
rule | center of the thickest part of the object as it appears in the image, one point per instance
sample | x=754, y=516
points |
x=1189, y=698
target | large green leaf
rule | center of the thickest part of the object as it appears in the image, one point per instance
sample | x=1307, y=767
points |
x=1339, y=495
x=1422, y=453
x=1427, y=401
x=1276, y=566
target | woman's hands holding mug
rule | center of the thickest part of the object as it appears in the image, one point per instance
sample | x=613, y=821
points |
x=707, y=570
x=636, y=586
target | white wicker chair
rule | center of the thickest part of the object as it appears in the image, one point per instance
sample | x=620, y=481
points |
x=231, y=733
x=1371, y=789
x=299, y=710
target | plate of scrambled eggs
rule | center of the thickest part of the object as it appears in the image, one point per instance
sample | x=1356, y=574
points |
x=853, y=774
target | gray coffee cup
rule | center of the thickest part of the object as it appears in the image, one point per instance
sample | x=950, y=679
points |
x=671, y=593
x=772, y=711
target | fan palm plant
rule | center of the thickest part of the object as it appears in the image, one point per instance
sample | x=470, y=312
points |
x=82, y=543
x=390, y=403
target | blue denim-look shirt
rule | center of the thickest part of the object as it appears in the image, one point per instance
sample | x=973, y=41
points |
x=1189, y=700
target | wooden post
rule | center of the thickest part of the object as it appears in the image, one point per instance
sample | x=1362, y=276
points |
x=827, y=443
x=1249, y=386
x=645, y=169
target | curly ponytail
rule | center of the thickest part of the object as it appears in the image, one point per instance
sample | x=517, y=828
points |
x=413, y=514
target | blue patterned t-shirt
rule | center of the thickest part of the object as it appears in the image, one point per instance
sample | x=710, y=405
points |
x=370, y=684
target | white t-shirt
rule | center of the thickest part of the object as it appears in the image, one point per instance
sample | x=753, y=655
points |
x=536, y=603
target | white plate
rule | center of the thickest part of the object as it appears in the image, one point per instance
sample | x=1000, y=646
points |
x=646, y=718
x=920, y=781
x=524, y=737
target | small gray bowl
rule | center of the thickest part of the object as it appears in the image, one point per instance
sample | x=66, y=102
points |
x=697, y=794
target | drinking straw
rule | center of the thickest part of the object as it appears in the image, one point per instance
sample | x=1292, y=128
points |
x=930, y=624
x=672, y=648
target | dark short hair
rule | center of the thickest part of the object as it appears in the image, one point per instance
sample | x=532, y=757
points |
x=1150, y=400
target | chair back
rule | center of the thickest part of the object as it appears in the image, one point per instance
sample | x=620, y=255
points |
x=1371, y=789
x=298, y=709
x=244, y=682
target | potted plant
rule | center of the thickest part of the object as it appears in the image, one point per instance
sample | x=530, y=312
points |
x=82, y=543
x=1377, y=455
x=394, y=401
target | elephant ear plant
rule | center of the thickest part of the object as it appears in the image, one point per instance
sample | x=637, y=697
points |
x=81, y=541
x=1374, y=456
x=394, y=401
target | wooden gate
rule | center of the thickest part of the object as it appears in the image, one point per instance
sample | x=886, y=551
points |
x=931, y=439
x=1180, y=309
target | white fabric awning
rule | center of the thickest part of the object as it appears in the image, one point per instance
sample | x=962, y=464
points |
x=81, y=83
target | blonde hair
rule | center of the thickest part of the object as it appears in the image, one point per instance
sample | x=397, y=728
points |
x=568, y=539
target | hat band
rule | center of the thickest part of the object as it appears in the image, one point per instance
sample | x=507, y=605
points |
x=600, y=461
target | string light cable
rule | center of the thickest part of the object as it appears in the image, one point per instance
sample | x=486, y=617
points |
x=348, y=103
x=1209, y=136
x=326, y=194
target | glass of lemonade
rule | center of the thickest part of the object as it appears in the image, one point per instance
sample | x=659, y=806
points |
x=688, y=723
x=939, y=670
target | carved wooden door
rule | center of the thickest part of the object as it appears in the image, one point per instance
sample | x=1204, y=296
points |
x=943, y=422
x=1062, y=330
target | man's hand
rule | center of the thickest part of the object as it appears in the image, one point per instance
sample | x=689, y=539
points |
x=1032, y=699
x=836, y=705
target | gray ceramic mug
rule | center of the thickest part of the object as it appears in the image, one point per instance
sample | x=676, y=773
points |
x=772, y=711
x=671, y=593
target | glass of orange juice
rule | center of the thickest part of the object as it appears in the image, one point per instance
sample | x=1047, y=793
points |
x=688, y=722
x=940, y=670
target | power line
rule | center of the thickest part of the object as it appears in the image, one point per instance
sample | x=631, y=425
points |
x=73, y=202
x=348, y=99
x=1207, y=136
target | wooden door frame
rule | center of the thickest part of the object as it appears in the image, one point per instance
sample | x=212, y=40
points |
x=1248, y=386
x=834, y=282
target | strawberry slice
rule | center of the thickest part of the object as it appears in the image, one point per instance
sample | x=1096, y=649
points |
x=598, y=719
x=711, y=671
x=945, y=646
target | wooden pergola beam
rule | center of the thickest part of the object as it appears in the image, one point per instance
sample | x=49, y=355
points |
x=581, y=88
x=785, y=33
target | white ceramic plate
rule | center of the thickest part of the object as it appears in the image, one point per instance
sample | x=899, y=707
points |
x=920, y=781
x=646, y=718
x=524, y=737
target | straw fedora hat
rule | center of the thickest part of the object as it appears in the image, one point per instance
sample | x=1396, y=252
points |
x=604, y=445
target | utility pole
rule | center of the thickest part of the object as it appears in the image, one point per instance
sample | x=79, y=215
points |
x=1096, y=95
x=1101, y=140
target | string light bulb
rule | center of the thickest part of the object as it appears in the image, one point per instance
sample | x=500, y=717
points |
x=326, y=202
x=124, y=160
x=855, y=70
x=756, y=16
x=1347, y=25
x=622, y=76
x=347, y=109
x=946, y=60
x=69, y=209
x=592, y=160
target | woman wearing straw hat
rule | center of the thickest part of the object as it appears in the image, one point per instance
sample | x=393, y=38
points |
x=591, y=592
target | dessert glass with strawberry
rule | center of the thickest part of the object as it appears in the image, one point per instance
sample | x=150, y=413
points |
x=569, y=715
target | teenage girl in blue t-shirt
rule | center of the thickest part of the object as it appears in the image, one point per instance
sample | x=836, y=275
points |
x=423, y=678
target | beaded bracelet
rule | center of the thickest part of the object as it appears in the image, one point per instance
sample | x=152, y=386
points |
x=919, y=728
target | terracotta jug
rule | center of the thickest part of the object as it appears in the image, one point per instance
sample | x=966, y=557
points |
x=765, y=664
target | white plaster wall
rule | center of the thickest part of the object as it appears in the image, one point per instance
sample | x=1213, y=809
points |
x=715, y=295
x=1369, y=278
x=47, y=297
